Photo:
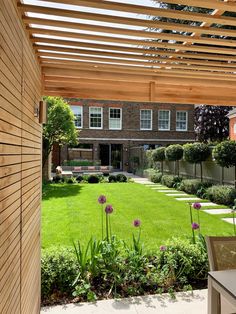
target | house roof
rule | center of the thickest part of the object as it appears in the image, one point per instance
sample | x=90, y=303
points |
x=105, y=49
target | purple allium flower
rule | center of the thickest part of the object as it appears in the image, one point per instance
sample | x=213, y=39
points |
x=109, y=209
x=163, y=248
x=102, y=199
x=195, y=226
x=136, y=223
x=197, y=205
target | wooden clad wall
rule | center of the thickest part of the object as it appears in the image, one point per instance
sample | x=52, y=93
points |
x=20, y=171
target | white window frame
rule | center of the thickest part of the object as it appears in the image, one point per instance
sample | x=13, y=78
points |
x=159, y=120
x=78, y=127
x=145, y=129
x=186, y=129
x=92, y=127
x=110, y=128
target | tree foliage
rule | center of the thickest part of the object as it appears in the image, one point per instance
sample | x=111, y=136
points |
x=225, y=154
x=211, y=123
x=158, y=154
x=196, y=153
x=60, y=127
x=174, y=152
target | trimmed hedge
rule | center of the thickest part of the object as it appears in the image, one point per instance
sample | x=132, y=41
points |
x=170, y=181
x=112, y=178
x=121, y=178
x=221, y=194
x=193, y=186
x=93, y=179
x=156, y=178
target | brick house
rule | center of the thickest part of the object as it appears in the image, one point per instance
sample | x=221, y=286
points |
x=232, y=124
x=109, y=129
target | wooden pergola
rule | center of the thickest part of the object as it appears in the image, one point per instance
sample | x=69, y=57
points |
x=83, y=57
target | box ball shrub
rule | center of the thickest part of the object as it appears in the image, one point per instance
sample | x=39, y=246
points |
x=170, y=181
x=79, y=178
x=93, y=179
x=121, y=178
x=193, y=186
x=224, y=154
x=112, y=178
x=174, y=152
x=156, y=178
x=158, y=154
x=221, y=194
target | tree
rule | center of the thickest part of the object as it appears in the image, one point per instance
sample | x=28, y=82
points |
x=158, y=155
x=225, y=155
x=174, y=153
x=60, y=127
x=211, y=123
x=196, y=153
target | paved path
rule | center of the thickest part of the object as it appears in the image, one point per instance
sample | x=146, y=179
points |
x=186, y=302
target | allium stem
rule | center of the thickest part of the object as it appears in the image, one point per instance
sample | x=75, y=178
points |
x=107, y=228
x=191, y=219
x=102, y=221
x=110, y=225
x=198, y=216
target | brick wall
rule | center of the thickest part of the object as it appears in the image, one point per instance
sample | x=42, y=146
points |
x=232, y=133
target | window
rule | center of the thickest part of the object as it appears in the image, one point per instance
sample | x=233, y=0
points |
x=78, y=113
x=145, y=119
x=95, y=117
x=164, y=120
x=115, y=120
x=181, y=120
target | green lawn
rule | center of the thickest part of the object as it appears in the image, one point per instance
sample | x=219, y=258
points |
x=71, y=212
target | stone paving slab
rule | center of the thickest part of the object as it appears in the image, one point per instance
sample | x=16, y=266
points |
x=186, y=302
x=219, y=211
x=229, y=220
x=165, y=191
x=208, y=204
x=188, y=199
x=176, y=194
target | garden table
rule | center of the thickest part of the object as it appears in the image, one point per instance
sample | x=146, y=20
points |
x=221, y=283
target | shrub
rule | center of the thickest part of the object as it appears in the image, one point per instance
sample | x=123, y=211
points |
x=221, y=194
x=192, y=186
x=156, y=178
x=58, y=179
x=174, y=152
x=182, y=262
x=93, y=179
x=112, y=178
x=70, y=180
x=79, y=178
x=225, y=154
x=158, y=154
x=149, y=172
x=58, y=272
x=170, y=181
x=121, y=178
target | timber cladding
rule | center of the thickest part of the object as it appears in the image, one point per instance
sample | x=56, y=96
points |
x=20, y=170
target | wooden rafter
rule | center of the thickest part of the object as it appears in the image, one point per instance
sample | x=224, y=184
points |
x=153, y=65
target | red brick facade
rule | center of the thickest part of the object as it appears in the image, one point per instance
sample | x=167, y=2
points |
x=232, y=124
x=130, y=135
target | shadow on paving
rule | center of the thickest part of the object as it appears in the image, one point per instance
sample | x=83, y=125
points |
x=59, y=190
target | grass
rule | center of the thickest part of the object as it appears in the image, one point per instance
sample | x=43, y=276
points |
x=71, y=213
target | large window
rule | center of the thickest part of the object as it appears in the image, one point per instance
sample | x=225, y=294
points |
x=181, y=120
x=78, y=113
x=115, y=118
x=145, y=119
x=164, y=120
x=95, y=117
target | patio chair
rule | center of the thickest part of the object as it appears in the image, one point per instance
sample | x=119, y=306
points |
x=222, y=256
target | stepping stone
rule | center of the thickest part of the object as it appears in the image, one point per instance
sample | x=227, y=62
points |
x=208, y=204
x=229, y=220
x=157, y=187
x=176, y=194
x=165, y=191
x=187, y=199
x=218, y=211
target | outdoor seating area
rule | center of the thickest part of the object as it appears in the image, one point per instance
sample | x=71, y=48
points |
x=111, y=243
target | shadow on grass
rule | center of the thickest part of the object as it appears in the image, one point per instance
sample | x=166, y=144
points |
x=60, y=190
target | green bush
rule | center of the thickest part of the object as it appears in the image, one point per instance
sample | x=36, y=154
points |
x=170, y=181
x=225, y=154
x=183, y=263
x=112, y=178
x=156, y=178
x=58, y=272
x=149, y=172
x=121, y=178
x=93, y=179
x=158, y=154
x=74, y=163
x=193, y=186
x=58, y=179
x=70, y=180
x=79, y=178
x=221, y=194
x=174, y=152
x=196, y=152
